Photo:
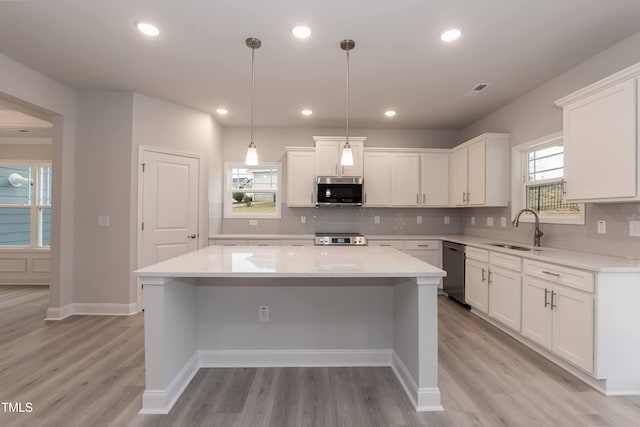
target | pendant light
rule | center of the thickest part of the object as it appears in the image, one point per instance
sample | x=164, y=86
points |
x=252, y=151
x=347, y=153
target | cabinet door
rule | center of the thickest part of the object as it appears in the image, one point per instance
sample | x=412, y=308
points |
x=327, y=158
x=376, y=179
x=505, y=296
x=536, y=311
x=434, y=174
x=430, y=257
x=405, y=179
x=460, y=175
x=573, y=326
x=356, y=169
x=476, y=288
x=476, y=194
x=300, y=178
x=603, y=123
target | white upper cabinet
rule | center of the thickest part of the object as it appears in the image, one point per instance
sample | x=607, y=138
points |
x=377, y=179
x=434, y=182
x=329, y=153
x=601, y=151
x=405, y=179
x=480, y=171
x=301, y=178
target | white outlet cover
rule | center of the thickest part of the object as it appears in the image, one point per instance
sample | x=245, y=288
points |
x=473, y=220
x=263, y=313
x=447, y=220
x=419, y=219
x=303, y=219
x=253, y=222
x=634, y=228
x=602, y=227
x=490, y=221
x=103, y=221
x=376, y=219
x=503, y=221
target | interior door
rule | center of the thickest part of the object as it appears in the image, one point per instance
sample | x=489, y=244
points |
x=170, y=206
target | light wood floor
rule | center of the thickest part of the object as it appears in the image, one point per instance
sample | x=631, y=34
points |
x=89, y=371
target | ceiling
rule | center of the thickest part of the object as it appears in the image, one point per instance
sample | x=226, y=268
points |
x=16, y=124
x=200, y=58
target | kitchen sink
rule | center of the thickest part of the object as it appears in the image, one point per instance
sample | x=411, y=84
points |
x=514, y=247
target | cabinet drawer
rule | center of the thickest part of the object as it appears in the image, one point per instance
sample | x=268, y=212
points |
x=506, y=261
x=396, y=244
x=297, y=242
x=230, y=242
x=422, y=244
x=477, y=254
x=263, y=242
x=571, y=277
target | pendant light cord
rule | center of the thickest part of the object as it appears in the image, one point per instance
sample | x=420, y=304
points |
x=253, y=86
x=347, y=142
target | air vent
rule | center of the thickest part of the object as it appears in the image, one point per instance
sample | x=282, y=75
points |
x=477, y=89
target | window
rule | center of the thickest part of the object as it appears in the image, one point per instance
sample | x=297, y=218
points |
x=539, y=182
x=25, y=205
x=252, y=191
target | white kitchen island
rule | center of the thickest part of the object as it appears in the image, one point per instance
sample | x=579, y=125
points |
x=329, y=306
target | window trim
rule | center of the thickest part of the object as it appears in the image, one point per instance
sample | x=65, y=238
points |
x=519, y=181
x=35, y=230
x=227, y=212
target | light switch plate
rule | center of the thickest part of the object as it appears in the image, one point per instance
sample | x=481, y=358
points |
x=490, y=221
x=634, y=228
x=602, y=226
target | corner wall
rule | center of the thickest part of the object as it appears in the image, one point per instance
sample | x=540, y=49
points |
x=533, y=116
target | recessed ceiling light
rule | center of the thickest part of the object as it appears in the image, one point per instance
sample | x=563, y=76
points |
x=147, y=29
x=451, y=35
x=222, y=111
x=389, y=113
x=306, y=112
x=301, y=31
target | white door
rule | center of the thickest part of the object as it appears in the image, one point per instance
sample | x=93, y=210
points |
x=300, y=178
x=435, y=179
x=573, y=326
x=169, y=206
x=376, y=179
x=405, y=179
x=476, y=288
x=505, y=296
x=536, y=311
x=476, y=194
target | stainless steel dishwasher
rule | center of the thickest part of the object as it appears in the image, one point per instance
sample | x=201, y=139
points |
x=453, y=263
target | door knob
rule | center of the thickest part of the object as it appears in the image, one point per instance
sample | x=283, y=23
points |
x=193, y=236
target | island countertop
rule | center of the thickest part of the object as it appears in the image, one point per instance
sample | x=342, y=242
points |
x=292, y=261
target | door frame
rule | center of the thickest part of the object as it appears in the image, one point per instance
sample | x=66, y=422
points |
x=142, y=149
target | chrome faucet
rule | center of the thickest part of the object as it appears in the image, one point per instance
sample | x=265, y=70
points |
x=537, y=234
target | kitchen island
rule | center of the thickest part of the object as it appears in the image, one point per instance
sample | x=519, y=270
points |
x=330, y=306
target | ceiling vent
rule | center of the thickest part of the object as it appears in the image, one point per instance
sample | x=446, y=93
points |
x=477, y=89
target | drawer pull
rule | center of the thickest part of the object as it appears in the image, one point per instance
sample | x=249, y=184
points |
x=551, y=274
x=546, y=301
x=424, y=246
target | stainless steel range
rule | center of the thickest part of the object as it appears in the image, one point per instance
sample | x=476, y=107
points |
x=340, y=239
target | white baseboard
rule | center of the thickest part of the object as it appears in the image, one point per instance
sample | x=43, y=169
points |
x=293, y=358
x=91, y=309
x=423, y=399
x=161, y=401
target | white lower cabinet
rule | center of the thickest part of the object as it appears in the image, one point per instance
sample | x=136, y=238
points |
x=476, y=285
x=559, y=319
x=505, y=296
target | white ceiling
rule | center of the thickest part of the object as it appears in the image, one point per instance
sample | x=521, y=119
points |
x=16, y=124
x=200, y=59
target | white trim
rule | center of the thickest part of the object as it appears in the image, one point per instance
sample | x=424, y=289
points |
x=91, y=309
x=518, y=182
x=291, y=358
x=161, y=401
x=423, y=399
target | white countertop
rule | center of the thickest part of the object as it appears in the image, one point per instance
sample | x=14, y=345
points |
x=293, y=261
x=576, y=259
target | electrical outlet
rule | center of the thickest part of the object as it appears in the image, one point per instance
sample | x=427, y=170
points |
x=103, y=221
x=490, y=221
x=447, y=220
x=376, y=219
x=503, y=221
x=263, y=313
x=303, y=219
x=253, y=222
x=602, y=226
x=634, y=228
x=419, y=219
x=473, y=220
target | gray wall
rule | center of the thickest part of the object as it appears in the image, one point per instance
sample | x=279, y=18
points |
x=271, y=143
x=533, y=116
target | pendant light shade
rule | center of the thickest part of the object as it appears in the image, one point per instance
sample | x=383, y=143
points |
x=347, y=153
x=252, y=152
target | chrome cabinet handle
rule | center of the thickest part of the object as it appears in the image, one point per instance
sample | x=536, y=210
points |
x=193, y=236
x=424, y=198
x=490, y=277
x=546, y=293
x=336, y=169
x=464, y=196
x=552, y=274
x=365, y=197
x=417, y=198
x=483, y=275
x=553, y=300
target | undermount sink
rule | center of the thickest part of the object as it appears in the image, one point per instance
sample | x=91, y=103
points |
x=514, y=247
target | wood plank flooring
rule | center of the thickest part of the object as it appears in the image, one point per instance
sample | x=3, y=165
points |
x=89, y=371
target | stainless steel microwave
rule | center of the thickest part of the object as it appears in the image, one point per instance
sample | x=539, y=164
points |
x=338, y=191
